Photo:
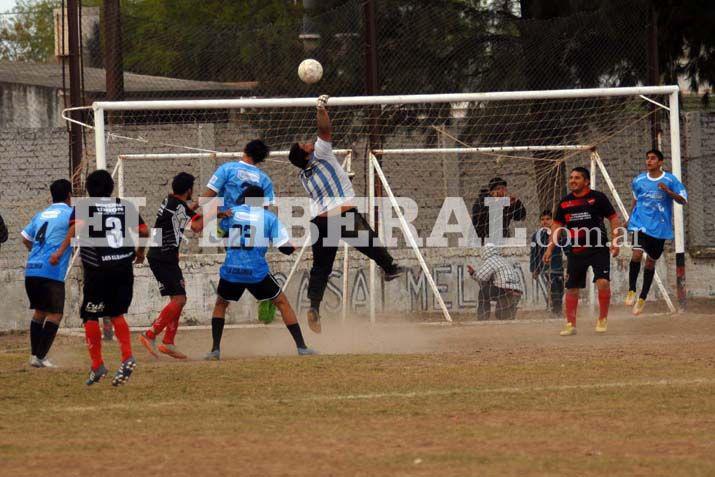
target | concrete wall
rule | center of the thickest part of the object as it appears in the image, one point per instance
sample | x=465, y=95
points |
x=27, y=106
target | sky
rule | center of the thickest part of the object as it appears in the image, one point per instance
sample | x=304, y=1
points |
x=6, y=5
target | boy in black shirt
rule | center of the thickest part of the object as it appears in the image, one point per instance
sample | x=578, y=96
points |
x=173, y=217
x=582, y=212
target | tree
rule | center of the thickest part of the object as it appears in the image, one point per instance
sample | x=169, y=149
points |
x=28, y=36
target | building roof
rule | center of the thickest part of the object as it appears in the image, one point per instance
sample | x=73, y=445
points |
x=50, y=76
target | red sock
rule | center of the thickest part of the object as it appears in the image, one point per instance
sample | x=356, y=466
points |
x=124, y=336
x=167, y=315
x=93, y=337
x=171, y=330
x=604, y=301
x=571, y=307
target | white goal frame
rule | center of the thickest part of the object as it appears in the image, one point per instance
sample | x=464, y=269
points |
x=672, y=106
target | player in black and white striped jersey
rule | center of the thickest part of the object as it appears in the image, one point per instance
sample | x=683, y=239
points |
x=172, y=218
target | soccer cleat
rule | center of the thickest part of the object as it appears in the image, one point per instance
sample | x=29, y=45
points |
x=36, y=362
x=124, y=372
x=630, y=298
x=95, y=375
x=601, y=325
x=214, y=355
x=307, y=351
x=394, y=272
x=149, y=344
x=314, y=320
x=638, y=307
x=46, y=363
x=170, y=349
x=569, y=330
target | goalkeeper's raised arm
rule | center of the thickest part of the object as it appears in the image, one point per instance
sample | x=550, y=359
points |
x=325, y=127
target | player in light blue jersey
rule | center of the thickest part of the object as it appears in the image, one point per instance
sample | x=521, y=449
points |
x=251, y=230
x=651, y=222
x=45, y=283
x=232, y=178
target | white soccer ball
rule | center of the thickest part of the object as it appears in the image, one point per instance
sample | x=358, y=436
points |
x=310, y=71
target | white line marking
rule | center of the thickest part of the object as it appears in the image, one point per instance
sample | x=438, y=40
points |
x=404, y=394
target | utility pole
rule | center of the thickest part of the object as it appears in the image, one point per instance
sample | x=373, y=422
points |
x=75, y=92
x=113, y=60
x=653, y=74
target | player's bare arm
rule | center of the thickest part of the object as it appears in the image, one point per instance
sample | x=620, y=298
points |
x=676, y=197
x=66, y=243
x=27, y=243
x=141, y=250
x=616, y=234
x=325, y=127
x=553, y=242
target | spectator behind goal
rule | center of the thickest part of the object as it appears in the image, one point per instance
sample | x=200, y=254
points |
x=498, y=281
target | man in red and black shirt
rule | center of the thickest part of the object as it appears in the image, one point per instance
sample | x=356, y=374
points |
x=108, y=253
x=582, y=214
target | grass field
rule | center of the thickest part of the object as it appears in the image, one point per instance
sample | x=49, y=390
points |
x=490, y=399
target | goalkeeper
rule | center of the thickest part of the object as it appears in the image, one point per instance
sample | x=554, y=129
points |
x=332, y=195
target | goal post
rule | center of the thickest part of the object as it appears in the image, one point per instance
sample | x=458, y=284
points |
x=549, y=128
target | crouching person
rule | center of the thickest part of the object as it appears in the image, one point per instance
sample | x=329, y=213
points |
x=498, y=281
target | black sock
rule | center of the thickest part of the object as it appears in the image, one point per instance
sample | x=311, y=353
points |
x=217, y=332
x=35, y=335
x=648, y=274
x=49, y=331
x=633, y=272
x=315, y=304
x=296, y=334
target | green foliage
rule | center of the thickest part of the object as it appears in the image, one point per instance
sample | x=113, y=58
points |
x=29, y=35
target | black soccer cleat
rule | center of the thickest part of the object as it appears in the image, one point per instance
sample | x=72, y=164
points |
x=124, y=372
x=95, y=375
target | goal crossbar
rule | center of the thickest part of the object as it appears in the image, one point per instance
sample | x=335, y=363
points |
x=378, y=100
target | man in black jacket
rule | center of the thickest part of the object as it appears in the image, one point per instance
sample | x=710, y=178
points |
x=480, y=212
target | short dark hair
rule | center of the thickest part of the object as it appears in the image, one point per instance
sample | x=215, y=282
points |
x=297, y=156
x=496, y=182
x=547, y=213
x=251, y=194
x=656, y=152
x=61, y=190
x=257, y=150
x=583, y=171
x=100, y=184
x=182, y=183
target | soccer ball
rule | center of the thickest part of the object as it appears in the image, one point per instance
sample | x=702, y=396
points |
x=310, y=71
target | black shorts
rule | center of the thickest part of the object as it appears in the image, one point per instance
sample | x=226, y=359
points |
x=45, y=294
x=169, y=276
x=266, y=289
x=650, y=245
x=578, y=263
x=106, y=292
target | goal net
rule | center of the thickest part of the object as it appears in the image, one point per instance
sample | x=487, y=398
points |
x=430, y=159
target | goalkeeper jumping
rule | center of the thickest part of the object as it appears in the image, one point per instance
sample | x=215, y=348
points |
x=332, y=197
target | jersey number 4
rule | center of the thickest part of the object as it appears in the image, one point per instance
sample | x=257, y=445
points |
x=41, y=234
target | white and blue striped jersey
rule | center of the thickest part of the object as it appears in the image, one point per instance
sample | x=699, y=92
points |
x=232, y=178
x=325, y=180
